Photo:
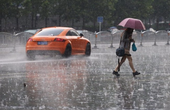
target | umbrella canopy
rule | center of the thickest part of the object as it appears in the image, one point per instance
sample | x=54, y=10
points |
x=132, y=23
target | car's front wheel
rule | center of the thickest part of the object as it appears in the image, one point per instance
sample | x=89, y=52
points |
x=68, y=50
x=88, y=49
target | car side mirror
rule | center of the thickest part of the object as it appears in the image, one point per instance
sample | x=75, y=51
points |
x=81, y=35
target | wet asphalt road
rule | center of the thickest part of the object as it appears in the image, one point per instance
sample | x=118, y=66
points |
x=85, y=83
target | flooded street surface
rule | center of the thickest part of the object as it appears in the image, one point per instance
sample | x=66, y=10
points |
x=86, y=83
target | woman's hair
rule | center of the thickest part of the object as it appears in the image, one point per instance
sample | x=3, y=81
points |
x=129, y=30
x=128, y=33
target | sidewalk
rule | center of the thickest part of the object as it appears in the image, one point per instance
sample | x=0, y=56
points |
x=11, y=51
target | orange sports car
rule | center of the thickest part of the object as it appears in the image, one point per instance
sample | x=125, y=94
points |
x=57, y=40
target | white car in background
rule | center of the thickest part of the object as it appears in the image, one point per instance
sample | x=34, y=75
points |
x=32, y=31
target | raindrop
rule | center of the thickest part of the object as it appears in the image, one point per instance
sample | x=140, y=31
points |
x=75, y=86
x=105, y=93
x=42, y=107
x=141, y=89
x=2, y=103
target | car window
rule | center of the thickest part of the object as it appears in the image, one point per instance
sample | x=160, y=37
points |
x=69, y=33
x=75, y=32
x=50, y=32
x=72, y=33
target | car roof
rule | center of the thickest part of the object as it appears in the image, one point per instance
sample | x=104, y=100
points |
x=65, y=29
x=58, y=27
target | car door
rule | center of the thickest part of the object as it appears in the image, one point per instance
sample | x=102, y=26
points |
x=73, y=39
x=79, y=42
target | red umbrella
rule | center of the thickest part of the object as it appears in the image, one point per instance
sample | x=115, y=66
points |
x=132, y=23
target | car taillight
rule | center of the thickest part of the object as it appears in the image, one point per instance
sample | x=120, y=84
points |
x=30, y=40
x=59, y=40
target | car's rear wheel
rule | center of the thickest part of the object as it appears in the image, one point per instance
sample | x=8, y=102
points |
x=30, y=55
x=68, y=50
x=88, y=49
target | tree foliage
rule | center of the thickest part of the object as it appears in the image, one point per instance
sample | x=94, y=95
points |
x=4, y=13
x=113, y=11
x=161, y=11
x=130, y=8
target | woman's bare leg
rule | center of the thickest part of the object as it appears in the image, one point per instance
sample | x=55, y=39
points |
x=121, y=62
x=131, y=63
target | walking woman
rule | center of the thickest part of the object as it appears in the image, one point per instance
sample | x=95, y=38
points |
x=125, y=42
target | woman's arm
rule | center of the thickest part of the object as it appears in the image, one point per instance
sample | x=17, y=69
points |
x=131, y=40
